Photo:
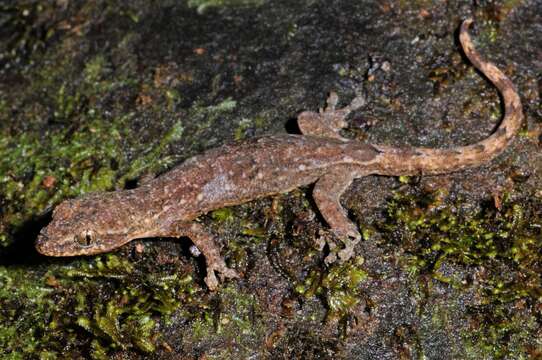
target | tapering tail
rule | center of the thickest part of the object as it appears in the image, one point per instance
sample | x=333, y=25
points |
x=417, y=160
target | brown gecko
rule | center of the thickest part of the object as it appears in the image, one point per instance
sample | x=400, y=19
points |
x=233, y=174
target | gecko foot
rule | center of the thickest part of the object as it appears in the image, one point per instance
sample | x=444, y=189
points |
x=332, y=117
x=349, y=238
x=204, y=244
x=333, y=100
x=328, y=121
x=224, y=272
x=333, y=238
x=335, y=118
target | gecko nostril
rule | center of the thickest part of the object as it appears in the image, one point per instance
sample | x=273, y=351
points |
x=41, y=239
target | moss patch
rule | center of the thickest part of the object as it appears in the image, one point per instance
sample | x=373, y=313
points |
x=114, y=300
x=501, y=247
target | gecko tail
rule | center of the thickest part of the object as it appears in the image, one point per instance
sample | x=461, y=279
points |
x=418, y=160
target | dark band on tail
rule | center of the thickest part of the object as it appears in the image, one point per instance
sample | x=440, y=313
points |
x=397, y=161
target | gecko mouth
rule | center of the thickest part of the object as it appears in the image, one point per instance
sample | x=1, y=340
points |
x=44, y=247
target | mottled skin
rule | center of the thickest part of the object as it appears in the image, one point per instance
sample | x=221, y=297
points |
x=234, y=174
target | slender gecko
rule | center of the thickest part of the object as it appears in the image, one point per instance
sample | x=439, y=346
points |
x=234, y=174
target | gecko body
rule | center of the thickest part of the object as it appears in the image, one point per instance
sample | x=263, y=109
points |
x=237, y=173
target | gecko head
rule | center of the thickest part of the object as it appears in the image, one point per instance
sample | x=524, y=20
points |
x=85, y=226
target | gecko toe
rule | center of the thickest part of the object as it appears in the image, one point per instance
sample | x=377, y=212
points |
x=223, y=272
x=346, y=253
x=357, y=103
x=332, y=101
x=349, y=236
x=210, y=280
x=227, y=273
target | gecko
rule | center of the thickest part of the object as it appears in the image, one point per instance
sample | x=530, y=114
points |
x=169, y=205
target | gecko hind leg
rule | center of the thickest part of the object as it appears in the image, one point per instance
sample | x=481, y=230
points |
x=206, y=243
x=329, y=121
x=327, y=193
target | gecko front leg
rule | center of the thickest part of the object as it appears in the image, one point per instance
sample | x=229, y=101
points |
x=329, y=121
x=206, y=243
x=327, y=193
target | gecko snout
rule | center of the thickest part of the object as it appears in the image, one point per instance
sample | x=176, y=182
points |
x=41, y=243
x=45, y=246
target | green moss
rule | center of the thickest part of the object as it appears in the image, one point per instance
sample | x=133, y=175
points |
x=107, y=303
x=236, y=320
x=24, y=300
x=104, y=303
x=66, y=104
x=89, y=159
x=222, y=215
x=447, y=244
x=238, y=317
x=94, y=69
x=503, y=334
x=339, y=286
x=173, y=97
x=245, y=125
x=151, y=161
x=240, y=131
x=77, y=164
x=26, y=34
x=465, y=239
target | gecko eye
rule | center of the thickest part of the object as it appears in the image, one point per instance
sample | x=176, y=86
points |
x=85, y=238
